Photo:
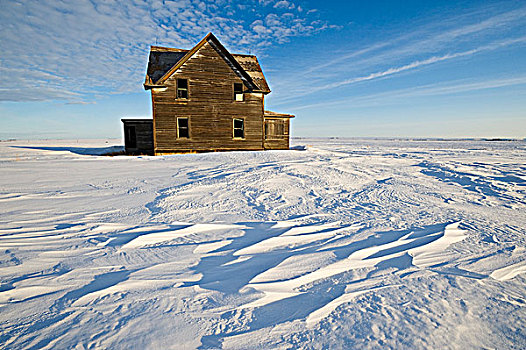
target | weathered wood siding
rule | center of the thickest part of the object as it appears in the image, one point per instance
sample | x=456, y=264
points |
x=277, y=135
x=210, y=108
x=143, y=137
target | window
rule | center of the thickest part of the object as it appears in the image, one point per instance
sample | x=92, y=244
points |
x=239, y=128
x=238, y=92
x=182, y=88
x=274, y=129
x=183, y=130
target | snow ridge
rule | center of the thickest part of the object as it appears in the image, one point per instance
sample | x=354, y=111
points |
x=348, y=244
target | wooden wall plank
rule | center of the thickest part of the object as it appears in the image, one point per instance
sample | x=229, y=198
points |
x=210, y=108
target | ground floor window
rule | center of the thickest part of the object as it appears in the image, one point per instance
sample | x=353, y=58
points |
x=183, y=128
x=239, y=128
x=274, y=129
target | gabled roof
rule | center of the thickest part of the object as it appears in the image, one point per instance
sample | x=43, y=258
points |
x=160, y=61
x=251, y=65
x=164, y=61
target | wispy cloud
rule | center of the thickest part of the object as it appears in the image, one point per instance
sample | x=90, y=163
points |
x=430, y=37
x=410, y=66
x=420, y=63
x=447, y=88
x=58, y=49
x=461, y=36
x=81, y=103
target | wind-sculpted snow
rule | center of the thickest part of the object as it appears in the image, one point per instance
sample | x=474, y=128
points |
x=346, y=244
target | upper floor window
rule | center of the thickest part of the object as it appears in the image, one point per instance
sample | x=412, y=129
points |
x=182, y=88
x=239, y=128
x=183, y=128
x=238, y=92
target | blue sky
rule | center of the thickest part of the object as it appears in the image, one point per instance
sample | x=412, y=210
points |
x=73, y=69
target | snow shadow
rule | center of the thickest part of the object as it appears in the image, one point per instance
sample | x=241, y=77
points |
x=120, y=239
x=85, y=151
x=59, y=310
x=381, y=252
x=100, y=282
x=474, y=182
x=222, y=273
x=57, y=270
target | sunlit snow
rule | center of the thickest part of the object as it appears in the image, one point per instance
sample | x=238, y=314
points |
x=349, y=243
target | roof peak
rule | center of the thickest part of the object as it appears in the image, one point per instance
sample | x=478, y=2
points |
x=157, y=48
x=164, y=61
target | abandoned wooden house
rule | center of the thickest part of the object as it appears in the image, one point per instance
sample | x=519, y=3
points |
x=205, y=99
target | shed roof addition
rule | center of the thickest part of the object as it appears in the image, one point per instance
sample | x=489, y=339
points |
x=164, y=61
x=270, y=115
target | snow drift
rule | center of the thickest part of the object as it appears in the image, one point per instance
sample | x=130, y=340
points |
x=346, y=244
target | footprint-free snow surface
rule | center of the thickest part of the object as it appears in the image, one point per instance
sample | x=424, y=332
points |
x=347, y=244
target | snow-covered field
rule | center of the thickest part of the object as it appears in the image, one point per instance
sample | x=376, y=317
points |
x=348, y=244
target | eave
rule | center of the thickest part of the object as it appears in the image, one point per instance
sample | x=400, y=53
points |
x=274, y=115
x=152, y=86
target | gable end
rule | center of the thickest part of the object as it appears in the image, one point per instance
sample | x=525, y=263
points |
x=163, y=62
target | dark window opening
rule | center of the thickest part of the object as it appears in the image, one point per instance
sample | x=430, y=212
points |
x=183, y=131
x=182, y=88
x=130, y=137
x=239, y=128
x=238, y=92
